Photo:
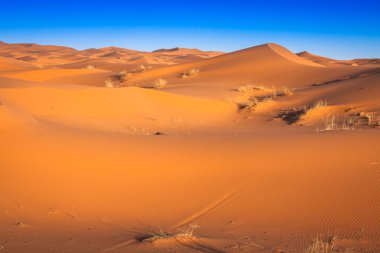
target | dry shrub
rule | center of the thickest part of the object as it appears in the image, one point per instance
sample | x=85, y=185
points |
x=258, y=89
x=252, y=103
x=314, y=106
x=372, y=118
x=287, y=91
x=348, y=123
x=257, y=95
x=322, y=246
x=330, y=123
x=141, y=69
x=159, y=234
x=109, y=83
x=294, y=115
x=249, y=88
x=160, y=83
x=123, y=76
x=191, y=72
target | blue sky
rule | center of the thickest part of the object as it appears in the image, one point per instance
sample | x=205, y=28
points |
x=333, y=28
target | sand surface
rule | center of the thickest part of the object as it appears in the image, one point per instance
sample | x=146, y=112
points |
x=259, y=150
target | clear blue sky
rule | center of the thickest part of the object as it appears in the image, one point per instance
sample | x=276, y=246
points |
x=335, y=28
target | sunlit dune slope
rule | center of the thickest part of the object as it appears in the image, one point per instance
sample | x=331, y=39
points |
x=269, y=64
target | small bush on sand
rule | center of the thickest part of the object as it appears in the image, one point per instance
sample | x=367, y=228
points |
x=191, y=72
x=109, y=83
x=348, y=123
x=252, y=103
x=141, y=69
x=330, y=123
x=250, y=88
x=255, y=89
x=285, y=91
x=123, y=76
x=322, y=246
x=294, y=115
x=159, y=83
x=316, y=105
x=372, y=118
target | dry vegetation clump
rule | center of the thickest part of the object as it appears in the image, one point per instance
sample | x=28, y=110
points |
x=117, y=80
x=314, y=106
x=191, y=72
x=322, y=246
x=255, y=89
x=345, y=123
x=348, y=123
x=109, y=83
x=371, y=118
x=160, y=83
x=141, y=69
x=262, y=90
x=159, y=234
x=123, y=76
x=260, y=94
x=285, y=91
x=294, y=115
x=330, y=123
x=252, y=103
x=364, y=119
x=257, y=95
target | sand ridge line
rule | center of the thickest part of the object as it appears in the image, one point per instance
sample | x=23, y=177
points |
x=354, y=76
x=218, y=203
x=225, y=198
x=117, y=246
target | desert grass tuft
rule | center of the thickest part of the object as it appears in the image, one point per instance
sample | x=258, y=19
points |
x=330, y=123
x=252, y=103
x=159, y=234
x=250, y=88
x=285, y=91
x=140, y=69
x=348, y=123
x=159, y=83
x=123, y=76
x=109, y=83
x=372, y=118
x=322, y=246
x=191, y=72
x=315, y=106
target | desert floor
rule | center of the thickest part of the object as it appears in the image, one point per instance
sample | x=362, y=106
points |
x=259, y=150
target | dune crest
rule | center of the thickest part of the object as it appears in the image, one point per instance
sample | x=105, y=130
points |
x=290, y=56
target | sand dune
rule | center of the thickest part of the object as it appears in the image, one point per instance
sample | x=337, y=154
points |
x=328, y=61
x=268, y=65
x=65, y=57
x=41, y=75
x=262, y=150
